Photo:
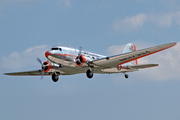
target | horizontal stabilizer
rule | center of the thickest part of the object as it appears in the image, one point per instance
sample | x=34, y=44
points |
x=142, y=66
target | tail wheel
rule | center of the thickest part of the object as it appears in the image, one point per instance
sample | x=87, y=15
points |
x=126, y=76
x=55, y=77
x=89, y=73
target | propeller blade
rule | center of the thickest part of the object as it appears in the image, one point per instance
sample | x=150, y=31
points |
x=42, y=75
x=80, y=49
x=42, y=68
x=39, y=60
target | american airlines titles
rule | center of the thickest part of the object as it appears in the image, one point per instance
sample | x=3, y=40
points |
x=135, y=56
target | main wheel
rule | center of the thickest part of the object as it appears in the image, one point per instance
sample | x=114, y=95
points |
x=55, y=77
x=89, y=73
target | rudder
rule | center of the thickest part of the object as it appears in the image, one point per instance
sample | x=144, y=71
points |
x=130, y=48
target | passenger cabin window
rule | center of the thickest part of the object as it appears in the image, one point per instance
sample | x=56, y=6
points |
x=56, y=49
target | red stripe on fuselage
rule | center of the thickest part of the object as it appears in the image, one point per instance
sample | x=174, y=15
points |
x=48, y=53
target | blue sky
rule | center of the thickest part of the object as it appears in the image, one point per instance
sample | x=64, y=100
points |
x=30, y=27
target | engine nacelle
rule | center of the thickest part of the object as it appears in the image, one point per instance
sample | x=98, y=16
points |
x=46, y=66
x=80, y=60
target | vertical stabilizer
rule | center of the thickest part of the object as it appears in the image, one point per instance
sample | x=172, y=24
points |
x=130, y=48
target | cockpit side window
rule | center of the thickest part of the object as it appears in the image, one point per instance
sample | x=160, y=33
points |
x=56, y=49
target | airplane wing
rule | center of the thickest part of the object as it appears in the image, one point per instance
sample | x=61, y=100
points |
x=117, y=60
x=27, y=73
x=62, y=71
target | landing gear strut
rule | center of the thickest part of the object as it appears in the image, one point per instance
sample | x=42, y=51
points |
x=55, y=77
x=89, y=73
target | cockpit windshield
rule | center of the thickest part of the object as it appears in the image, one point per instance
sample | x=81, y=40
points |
x=56, y=49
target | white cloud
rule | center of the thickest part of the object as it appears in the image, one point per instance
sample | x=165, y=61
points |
x=130, y=23
x=115, y=49
x=27, y=58
x=168, y=61
x=137, y=21
x=164, y=20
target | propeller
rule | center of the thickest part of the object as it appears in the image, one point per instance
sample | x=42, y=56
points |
x=42, y=67
x=80, y=50
x=79, y=55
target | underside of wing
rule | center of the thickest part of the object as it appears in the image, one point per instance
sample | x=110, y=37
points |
x=117, y=60
x=61, y=71
x=27, y=73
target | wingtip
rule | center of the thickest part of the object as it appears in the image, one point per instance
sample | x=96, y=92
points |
x=171, y=44
x=174, y=43
x=156, y=64
x=5, y=74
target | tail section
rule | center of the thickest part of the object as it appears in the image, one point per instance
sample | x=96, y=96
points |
x=130, y=48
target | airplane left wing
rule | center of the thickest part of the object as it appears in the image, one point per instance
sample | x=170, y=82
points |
x=61, y=71
x=27, y=73
x=118, y=60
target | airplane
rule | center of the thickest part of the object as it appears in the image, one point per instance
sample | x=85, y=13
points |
x=69, y=61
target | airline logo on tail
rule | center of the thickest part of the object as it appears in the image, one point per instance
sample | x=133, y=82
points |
x=130, y=48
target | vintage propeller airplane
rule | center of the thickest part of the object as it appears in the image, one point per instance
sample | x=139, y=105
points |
x=69, y=61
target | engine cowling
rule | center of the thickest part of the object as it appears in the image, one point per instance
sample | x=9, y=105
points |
x=46, y=66
x=80, y=60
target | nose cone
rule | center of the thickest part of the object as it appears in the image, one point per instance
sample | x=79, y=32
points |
x=47, y=53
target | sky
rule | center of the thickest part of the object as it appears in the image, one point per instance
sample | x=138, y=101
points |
x=28, y=28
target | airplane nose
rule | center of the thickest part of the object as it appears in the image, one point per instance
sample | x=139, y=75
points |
x=47, y=53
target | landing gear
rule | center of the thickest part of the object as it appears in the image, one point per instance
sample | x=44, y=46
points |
x=55, y=77
x=89, y=73
x=126, y=75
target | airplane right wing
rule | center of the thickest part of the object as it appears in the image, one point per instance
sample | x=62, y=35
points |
x=118, y=60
